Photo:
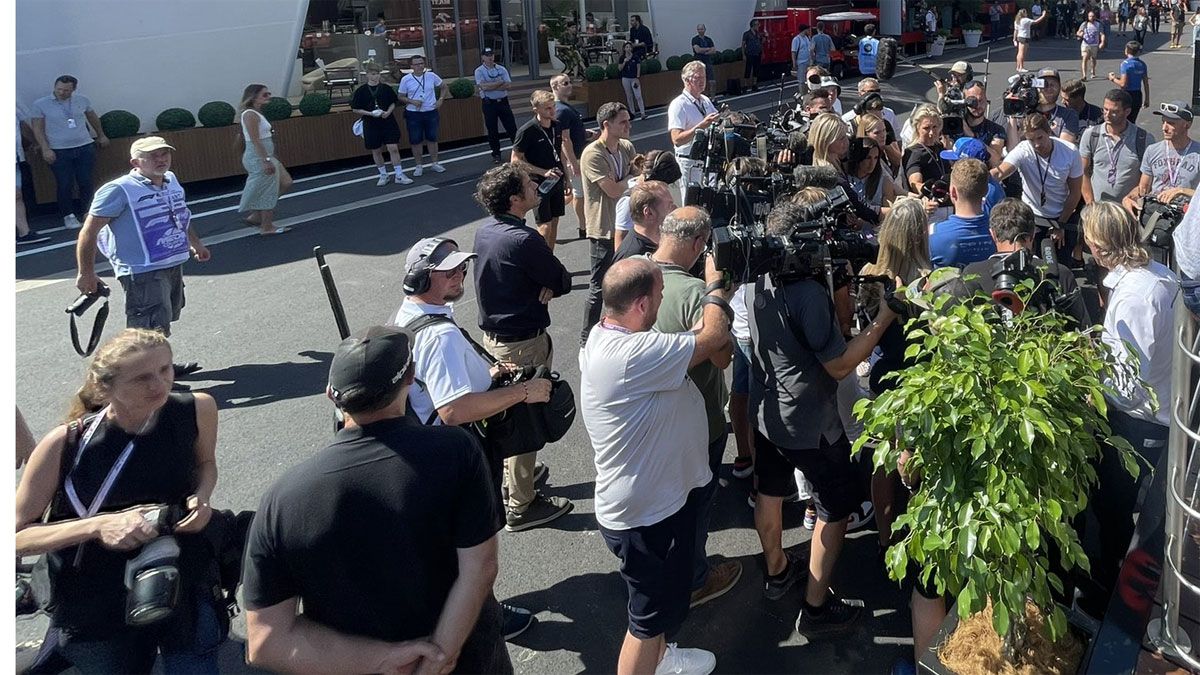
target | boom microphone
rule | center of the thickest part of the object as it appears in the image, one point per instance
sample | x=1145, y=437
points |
x=824, y=177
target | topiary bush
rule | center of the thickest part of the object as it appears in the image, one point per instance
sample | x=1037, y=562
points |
x=612, y=71
x=673, y=63
x=216, y=114
x=718, y=58
x=173, y=119
x=120, y=123
x=685, y=59
x=315, y=104
x=595, y=73
x=730, y=56
x=462, y=88
x=651, y=66
x=278, y=108
x=737, y=53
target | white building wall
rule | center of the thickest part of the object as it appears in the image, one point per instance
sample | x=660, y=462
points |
x=145, y=56
x=674, y=23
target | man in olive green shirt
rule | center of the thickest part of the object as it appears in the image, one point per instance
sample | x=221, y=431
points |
x=683, y=236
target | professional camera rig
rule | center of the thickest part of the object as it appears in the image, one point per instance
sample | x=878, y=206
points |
x=1021, y=97
x=1018, y=267
x=1158, y=221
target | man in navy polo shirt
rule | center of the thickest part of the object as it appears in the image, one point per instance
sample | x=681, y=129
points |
x=963, y=238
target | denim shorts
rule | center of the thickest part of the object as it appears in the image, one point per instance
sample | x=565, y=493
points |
x=422, y=126
x=1191, y=295
x=741, y=367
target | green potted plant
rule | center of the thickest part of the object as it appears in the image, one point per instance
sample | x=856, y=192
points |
x=651, y=66
x=216, y=114
x=120, y=123
x=315, y=104
x=612, y=71
x=278, y=108
x=595, y=74
x=1004, y=420
x=462, y=88
x=174, y=119
x=673, y=63
x=972, y=30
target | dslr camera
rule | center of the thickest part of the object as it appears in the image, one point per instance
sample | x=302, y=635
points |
x=152, y=576
x=1011, y=271
x=1021, y=98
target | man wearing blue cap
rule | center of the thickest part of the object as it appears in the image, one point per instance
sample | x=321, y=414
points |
x=975, y=149
x=963, y=238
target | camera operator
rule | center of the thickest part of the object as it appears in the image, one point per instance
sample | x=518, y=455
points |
x=111, y=510
x=798, y=357
x=1074, y=96
x=815, y=102
x=1052, y=175
x=1063, y=122
x=1138, y=321
x=960, y=74
x=977, y=125
x=1171, y=166
x=649, y=203
x=1012, y=227
x=646, y=421
x=830, y=84
x=1112, y=151
x=377, y=554
x=963, y=238
x=689, y=111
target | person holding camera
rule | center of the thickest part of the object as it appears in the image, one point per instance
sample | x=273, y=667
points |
x=963, y=238
x=516, y=276
x=538, y=150
x=1012, y=228
x=687, y=113
x=646, y=421
x=118, y=499
x=799, y=355
x=1139, y=318
x=1172, y=166
x=960, y=74
x=1052, y=175
x=976, y=124
x=146, y=246
x=378, y=553
x=1112, y=152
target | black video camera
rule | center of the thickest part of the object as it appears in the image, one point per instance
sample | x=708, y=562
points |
x=1158, y=221
x=937, y=190
x=1013, y=270
x=1022, y=97
x=953, y=107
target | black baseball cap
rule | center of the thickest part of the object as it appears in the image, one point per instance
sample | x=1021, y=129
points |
x=488, y=51
x=369, y=366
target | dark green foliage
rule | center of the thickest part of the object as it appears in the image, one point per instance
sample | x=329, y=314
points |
x=216, y=114
x=315, y=104
x=278, y=108
x=462, y=88
x=120, y=123
x=173, y=119
x=651, y=66
x=595, y=73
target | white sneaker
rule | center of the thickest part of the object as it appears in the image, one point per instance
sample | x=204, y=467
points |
x=403, y=179
x=383, y=179
x=71, y=222
x=418, y=171
x=437, y=168
x=686, y=661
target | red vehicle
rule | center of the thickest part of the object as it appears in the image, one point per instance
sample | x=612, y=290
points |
x=781, y=24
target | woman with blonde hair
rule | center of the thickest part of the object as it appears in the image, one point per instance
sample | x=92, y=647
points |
x=131, y=458
x=266, y=177
x=876, y=128
x=1022, y=27
x=829, y=140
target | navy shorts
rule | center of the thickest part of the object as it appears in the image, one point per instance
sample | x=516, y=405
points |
x=741, y=367
x=657, y=566
x=422, y=126
x=837, y=484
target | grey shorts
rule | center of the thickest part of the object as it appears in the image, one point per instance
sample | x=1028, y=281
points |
x=153, y=299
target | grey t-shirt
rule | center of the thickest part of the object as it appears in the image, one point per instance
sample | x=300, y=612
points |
x=1116, y=164
x=1171, y=169
x=792, y=398
x=66, y=124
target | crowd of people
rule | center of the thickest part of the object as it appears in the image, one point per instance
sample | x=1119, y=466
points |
x=660, y=326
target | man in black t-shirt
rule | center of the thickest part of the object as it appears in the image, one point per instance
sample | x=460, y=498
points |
x=977, y=125
x=577, y=137
x=641, y=37
x=538, y=149
x=649, y=203
x=376, y=102
x=752, y=49
x=387, y=538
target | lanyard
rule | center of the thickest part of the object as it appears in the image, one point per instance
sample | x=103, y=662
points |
x=699, y=106
x=608, y=326
x=1046, y=175
x=551, y=142
x=1114, y=154
x=1173, y=168
x=422, y=81
x=113, y=473
x=68, y=108
x=614, y=158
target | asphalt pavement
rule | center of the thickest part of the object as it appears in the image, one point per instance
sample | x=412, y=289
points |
x=258, y=321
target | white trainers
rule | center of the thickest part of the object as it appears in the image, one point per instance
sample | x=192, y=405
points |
x=383, y=179
x=686, y=661
x=437, y=168
x=418, y=172
x=71, y=222
x=403, y=179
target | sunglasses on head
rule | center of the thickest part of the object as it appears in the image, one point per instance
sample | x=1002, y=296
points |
x=1175, y=110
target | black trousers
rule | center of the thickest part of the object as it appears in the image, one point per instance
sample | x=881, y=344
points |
x=495, y=111
x=602, y=258
x=1137, y=105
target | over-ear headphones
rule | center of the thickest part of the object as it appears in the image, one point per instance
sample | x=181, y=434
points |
x=416, y=278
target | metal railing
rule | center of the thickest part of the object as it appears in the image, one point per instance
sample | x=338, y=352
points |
x=1183, y=491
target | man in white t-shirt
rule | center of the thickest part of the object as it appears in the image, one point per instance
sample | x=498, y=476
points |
x=453, y=380
x=1052, y=177
x=690, y=111
x=646, y=421
x=418, y=93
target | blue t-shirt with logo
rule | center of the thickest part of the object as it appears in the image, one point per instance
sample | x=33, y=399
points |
x=867, y=48
x=958, y=242
x=1134, y=70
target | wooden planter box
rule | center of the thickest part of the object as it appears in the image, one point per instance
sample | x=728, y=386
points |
x=207, y=153
x=657, y=90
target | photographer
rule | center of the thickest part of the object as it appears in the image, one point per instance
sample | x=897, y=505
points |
x=963, y=238
x=1063, y=122
x=130, y=455
x=960, y=74
x=1012, y=227
x=799, y=355
x=1112, y=152
x=1171, y=166
x=976, y=124
x=689, y=111
x=1052, y=175
x=816, y=102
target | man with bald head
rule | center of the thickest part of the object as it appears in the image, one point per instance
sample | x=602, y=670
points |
x=647, y=423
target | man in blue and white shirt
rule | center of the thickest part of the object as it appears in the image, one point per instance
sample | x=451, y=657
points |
x=140, y=222
x=492, y=80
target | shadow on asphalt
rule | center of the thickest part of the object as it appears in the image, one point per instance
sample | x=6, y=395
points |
x=255, y=384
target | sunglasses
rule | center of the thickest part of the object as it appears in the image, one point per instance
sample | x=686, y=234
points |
x=461, y=269
x=1175, y=110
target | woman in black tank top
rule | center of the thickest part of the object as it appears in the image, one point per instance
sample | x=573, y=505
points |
x=130, y=444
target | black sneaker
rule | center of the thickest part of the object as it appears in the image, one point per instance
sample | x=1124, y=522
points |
x=515, y=620
x=31, y=237
x=836, y=617
x=797, y=569
x=541, y=510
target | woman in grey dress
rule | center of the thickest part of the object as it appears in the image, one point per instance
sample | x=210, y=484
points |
x=266, y=177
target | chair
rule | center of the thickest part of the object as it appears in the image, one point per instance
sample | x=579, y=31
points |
x=340, y=84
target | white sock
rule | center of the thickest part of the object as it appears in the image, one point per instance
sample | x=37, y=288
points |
x=382, y=169
x=399, y=171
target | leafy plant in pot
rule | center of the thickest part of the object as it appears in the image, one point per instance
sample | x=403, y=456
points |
x=1004, y=420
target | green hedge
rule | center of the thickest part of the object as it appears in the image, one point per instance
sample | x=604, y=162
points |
x=462, y=88
x=315, y=104
x=595, y=73
x=174, y=119
x=673, y=63
x=120, y=123
x=737, y=53
x=651, y=66
x=718, y=58
x=612, y=71
x=278, y=108
x=730, y=56
x=216, y=114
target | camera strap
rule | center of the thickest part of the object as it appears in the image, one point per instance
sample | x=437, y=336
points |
x=97, y=330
